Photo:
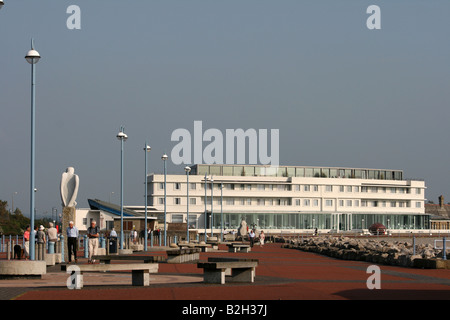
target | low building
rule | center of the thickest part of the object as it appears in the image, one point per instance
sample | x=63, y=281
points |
x=289, y=198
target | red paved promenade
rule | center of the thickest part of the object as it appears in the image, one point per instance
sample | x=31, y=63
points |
x=283, y=274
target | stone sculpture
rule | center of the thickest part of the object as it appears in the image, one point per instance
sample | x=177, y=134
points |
x=69, y=187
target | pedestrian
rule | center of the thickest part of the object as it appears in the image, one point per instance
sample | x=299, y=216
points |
x=26, y=245
x=113, y=233
x=35, y=231
x=41, y=240
x=93, y=234
x=262, y=236
x=72, y=241
x=52, y=233
x=252, y=238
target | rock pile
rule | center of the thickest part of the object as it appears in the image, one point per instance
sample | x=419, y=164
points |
x=370, y=250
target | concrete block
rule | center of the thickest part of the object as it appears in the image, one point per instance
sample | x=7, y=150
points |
x=214, y=276
x=140, y=278
x=21, y=268
x=125, y=251
x=50, y=259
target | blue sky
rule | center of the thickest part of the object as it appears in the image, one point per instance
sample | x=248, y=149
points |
x=340, y=94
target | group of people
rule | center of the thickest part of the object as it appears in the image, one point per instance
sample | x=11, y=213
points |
x=252, y=236
x=40, y=237
x=93, y=233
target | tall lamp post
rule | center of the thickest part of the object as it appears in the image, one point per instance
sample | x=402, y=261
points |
x=221, y=211
x=187, y=169
x=147, y=149
x=212, y=201
x=122, y=137
x=32, y=58
x=164, y=159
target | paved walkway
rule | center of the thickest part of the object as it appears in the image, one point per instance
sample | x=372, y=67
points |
x=284, y=274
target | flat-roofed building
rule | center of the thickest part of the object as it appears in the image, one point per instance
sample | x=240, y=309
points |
x=289, y=198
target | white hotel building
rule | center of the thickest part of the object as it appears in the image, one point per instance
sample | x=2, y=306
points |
x=289, y=198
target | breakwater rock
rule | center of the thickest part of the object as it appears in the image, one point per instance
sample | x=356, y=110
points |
x=397, y=253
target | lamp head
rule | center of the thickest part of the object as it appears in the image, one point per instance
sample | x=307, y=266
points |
x=187, y=169
x=147, y=148
x=32, y=56
x=164, y=157
x=122, y=136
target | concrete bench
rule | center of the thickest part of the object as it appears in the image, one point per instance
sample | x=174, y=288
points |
x=238, y=247
x=140, y=272
x=238, y=270
x=106, y=259
x=204, y=247
x=183, y=255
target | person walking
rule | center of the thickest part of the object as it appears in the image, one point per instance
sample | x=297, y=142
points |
x=41, y=240
x=93, y=234
x=26, y=244
x=252, y=238
x=262, y=236
x=72, y=241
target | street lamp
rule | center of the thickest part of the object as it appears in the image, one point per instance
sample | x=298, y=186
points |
x=164, y=159
x=122, y=137
x=212, y=201
x=221, y=211
x=147, y=149
x=187, y=169
x=32, y=58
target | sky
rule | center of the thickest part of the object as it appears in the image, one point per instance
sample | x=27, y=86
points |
x=340, y=94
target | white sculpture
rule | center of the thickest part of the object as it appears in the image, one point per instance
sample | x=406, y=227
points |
x=69, y=187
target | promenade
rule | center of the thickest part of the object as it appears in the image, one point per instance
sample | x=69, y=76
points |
x=282, y=274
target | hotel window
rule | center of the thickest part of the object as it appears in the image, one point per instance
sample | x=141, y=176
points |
x=401, y=204
x=193, y=201
x=177, y=186
x=363, y=203
x=306, y=202
x=242, y=202
x=315, y=188
x=375, y=203
x=260, y=187
x=356, y=203
x=161, y=200
x=418, y=204
x=269, y=202
x=373, y=189
x=230, y=186
x=269, y=187
x=297, y=187
x=341, y=203
x=383, y=189
x=356, y=189
x=260, y=202
x=418, y=191
x=364, y=189
x=393, y=204
x=328, y=203
x=242, y=186
x=393, y=190
x=341, y=188
x=230, y=202
x=349, y=188
x=401, y=190
x=383, y=204
x=161, y=185
x=249, y=201
x=329, y=188
x=249, y=187
x=297, y=202
x=280, y=187
x=315, y=203
x=193, y=186
x=306, y=187
x=349, y=203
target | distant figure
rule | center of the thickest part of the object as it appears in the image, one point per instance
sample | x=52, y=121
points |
x=41, y=240
x=93, y=234
x=316, y=232
x=261, y=239
x=252, y=238
x=113, y=233
x=52, y=233
x=72, y=241
x=18, y=252
x=26, y=238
